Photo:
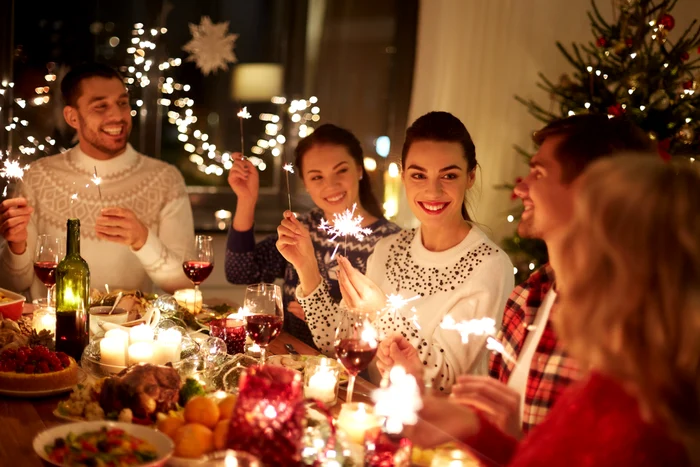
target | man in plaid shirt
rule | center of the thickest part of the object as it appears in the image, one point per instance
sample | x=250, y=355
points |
x=519, y=396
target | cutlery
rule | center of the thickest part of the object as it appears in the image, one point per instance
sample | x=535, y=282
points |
x=116, y=302
x=290, y=348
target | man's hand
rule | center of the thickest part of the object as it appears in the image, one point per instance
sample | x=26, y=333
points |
x=499, y=403
x=395, y=350
x=296, y=309
x=120, y=225
x=14, y=219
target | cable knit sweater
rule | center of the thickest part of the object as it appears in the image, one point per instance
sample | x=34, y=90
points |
x=59, y=187
x=470, y=280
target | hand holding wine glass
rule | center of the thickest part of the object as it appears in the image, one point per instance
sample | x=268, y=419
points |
x=355, y=344
x=49, y=251
x=198, y=265
x=265, y=315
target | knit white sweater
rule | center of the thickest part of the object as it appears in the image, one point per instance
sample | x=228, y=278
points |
x=470, y=280
x=152, y=189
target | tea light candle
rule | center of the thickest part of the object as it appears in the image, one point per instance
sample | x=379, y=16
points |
x=187, y=298
x=44, y=319
x=141, y=333
x=141, y=352
x=113, y=347
x=355, y=419
x=322, y=381
x=168, y=346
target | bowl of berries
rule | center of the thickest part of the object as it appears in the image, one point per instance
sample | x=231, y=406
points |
x=37, y=372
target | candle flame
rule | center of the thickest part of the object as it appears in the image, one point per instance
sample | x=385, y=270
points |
x=243, y=113
x=343, y=225
x=399, y=401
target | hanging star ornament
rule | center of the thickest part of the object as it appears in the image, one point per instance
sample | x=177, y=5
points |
x=211, y=46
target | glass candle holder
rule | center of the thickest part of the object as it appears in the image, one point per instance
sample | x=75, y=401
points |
x=44, y=319
x=387, y=450
x=321, y=379
x=231, y=331
x=355, y=419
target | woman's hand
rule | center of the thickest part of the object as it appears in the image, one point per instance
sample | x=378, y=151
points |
x=395, y=350
x=359, y=292
x=243, y=179
x=442, y=421
x=294, y=243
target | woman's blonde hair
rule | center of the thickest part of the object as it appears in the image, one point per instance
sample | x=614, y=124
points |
x=630, y=284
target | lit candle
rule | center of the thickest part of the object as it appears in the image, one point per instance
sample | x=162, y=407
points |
x=112, y=351
x=355, y=419
x=141, y=352
x=44, y=319
x=168, y=346
x=322, y=381
x=187, y=298
x=141, y=333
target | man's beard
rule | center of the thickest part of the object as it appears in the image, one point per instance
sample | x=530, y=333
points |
x=93, y=138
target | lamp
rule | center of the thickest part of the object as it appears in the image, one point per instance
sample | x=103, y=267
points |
x=257, y=82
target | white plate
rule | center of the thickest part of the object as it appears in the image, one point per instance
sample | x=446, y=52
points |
x=45, y=393
x=164, y=446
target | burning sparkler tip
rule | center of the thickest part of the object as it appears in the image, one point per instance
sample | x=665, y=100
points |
x=243, y=113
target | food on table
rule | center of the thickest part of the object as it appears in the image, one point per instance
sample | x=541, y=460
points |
x=193, y=440
x=289, y=361
x=145, y=389
x=133, y=301
x=11, y=335
x=168, y=425
x=36, y=369
x=106, y=447
x=5, y=299
x=202, y=410
x=226, y=406
x=190, y=389
x=221, y=434
x=83, y=402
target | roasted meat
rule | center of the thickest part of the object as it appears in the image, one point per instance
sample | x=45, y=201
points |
x=145, y=389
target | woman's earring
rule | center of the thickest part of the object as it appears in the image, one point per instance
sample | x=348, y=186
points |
x=360, y=176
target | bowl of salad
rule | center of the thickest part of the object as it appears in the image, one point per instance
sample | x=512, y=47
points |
x=103, y=444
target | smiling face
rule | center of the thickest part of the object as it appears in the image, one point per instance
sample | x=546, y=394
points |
x=548, y=202
x=331, y=177
x=436, y=180
x=101, y=116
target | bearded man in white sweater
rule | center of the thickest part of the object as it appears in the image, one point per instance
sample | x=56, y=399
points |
x=136, y=233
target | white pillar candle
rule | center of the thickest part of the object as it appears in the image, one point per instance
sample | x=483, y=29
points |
x=141, y=333
x=168, y=346
x=355, y=419
x=113, y=351
x=321, y=384
x=141, y=352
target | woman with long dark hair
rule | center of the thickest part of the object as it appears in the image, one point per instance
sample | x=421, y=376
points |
x=330, y=163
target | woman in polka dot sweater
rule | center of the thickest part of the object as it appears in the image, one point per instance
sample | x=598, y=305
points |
x=448, y=261
x=330, y=164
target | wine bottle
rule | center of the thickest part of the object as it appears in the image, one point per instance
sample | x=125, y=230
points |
x=72, y=296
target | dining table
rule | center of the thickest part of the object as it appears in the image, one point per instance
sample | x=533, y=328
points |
x=21, y=419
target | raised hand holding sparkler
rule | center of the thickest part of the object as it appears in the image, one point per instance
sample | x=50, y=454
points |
x=288, y=168
x=358, y=290
x=241, y=115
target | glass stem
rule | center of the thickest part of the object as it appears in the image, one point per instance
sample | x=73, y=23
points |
x=351, y=388
x=48, y=296
x=194, y=299
x=263, y=352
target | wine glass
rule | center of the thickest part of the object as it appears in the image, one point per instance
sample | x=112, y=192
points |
x=264, y=314
x=199, y=264
x=49, y=251
x=355, y=344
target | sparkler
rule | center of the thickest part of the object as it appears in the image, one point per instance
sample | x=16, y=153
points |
x=288, y=168
x=495, y=346
x=345, y=224
x=395, y=302
x=97, y=181
x=478, y=327
x=12, y=171
x=399, y=401
x=241, y=115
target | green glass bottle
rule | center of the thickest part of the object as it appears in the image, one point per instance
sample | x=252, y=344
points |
x=72, y=297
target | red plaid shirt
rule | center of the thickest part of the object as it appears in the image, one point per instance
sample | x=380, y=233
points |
x=551, y=369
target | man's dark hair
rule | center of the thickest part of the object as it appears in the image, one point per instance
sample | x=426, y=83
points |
x=588, y=137
x=70, y=85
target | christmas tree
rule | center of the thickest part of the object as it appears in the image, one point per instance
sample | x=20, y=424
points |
x=635, y=66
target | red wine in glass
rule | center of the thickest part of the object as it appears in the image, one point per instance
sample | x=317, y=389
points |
x=46, y=272
x=199, y=264
x=264, y=314
x=263, y=329
x=48, y=253
x=354, y=354
x=197, y=271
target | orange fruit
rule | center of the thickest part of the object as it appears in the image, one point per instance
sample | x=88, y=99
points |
x=221, y=435
x=202, y=410
x=226, y=406
x=193, y=440
x=169, y=426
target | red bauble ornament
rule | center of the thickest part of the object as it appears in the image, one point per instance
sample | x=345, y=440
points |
x=601, y=42
x=685, y=56
x=629, y=42
x=616, y=110
x=688, y=84
x=667, y=21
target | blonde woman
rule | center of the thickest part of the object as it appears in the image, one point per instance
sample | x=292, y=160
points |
x=629, y=284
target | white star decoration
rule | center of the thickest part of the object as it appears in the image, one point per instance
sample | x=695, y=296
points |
x=211, y=46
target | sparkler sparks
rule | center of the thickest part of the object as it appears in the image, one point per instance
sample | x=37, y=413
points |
x=288, y=168
x=399, y=402
x=345, y=224
x=12, y=171
x=97, y=181
x=395, y=302
x=495, y=346
x=241, y=115
x=472, y=327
